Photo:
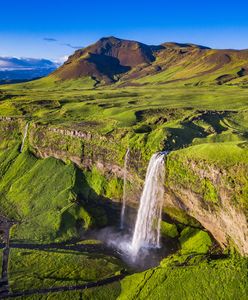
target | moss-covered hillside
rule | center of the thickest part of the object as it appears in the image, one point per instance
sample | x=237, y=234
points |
x=69, y=177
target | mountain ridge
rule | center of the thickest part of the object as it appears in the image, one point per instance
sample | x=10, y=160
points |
x=111, y=60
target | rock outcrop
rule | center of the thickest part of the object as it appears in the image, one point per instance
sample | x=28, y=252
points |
x=213, y=201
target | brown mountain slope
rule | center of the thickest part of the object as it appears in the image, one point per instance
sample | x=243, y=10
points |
x=106, y=59
x=132, y=63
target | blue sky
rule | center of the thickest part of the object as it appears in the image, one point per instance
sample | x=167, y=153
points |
x=53, y=29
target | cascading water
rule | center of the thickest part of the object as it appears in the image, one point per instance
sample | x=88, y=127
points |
x=124, y=200
x=24, y=137
x=147, y=226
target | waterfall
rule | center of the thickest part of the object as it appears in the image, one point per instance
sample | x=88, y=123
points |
x=24, y=137
x=124, y=199
x=147, y=227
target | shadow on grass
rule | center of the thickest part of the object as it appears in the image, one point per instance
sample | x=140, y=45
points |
x=183, y=136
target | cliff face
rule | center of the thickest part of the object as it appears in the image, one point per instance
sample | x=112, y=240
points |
x=211, y=191
x=214, y=196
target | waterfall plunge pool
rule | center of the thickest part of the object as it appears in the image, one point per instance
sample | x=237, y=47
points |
x=141, y=247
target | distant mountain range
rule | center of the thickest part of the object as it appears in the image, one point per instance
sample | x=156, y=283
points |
x=113, y=60
x=14, y=69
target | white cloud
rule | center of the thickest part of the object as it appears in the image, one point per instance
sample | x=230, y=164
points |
x=61, y=59
x=14, y=63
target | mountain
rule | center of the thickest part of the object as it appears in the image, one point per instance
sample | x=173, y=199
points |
x=112, y=60
x=14, y=69
x=106, y=60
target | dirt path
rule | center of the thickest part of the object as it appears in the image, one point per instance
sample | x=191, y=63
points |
x=5, y=262
x=65, y=288
x=5, y=226
x=90, y=248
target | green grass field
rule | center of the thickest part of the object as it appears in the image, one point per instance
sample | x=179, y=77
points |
x=56, y=198
x=217, y=279
x=34, y=269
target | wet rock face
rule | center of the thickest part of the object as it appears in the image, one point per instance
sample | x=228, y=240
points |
x=226, y=224
x=225, y=219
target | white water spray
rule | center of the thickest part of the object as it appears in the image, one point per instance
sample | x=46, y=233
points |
x=24, y=137
x=124, y=199
x=147, y=226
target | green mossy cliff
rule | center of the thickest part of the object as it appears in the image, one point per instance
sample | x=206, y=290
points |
x=206, y=184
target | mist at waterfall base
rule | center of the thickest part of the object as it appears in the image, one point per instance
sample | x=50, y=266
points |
x=141, y=246
x=120, y=243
